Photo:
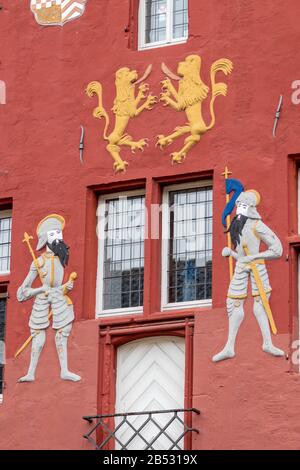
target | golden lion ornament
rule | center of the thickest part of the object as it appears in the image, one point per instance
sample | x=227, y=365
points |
x=192, y=91
x=126, y=106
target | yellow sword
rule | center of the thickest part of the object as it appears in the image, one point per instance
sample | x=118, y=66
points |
x=72, y=277
x=28, y=341
x=261, y=291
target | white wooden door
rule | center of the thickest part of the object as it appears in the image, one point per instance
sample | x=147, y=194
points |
x=150, y=376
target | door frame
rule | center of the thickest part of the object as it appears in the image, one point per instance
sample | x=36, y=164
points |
x=111, y=337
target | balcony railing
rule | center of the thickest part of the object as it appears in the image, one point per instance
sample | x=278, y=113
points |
x=147, y=430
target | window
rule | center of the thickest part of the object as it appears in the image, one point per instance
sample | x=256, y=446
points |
x=187, y=246
x=2, y=337
x=120, y=280
x=162, y=22
x=5, y=241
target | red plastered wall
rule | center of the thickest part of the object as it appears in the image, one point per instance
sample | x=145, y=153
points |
x=46, y=71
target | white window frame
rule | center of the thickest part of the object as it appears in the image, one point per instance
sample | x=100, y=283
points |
x=100, y=312
x=165, y=305
x=3, y=215
x=169, y=41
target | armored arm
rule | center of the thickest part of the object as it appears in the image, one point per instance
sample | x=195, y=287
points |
x=273, y=243
x=25, y=291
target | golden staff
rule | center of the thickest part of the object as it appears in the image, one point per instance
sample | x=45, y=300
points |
x=261, y=291
x=230, y=259
x=72, y=277
x=26, y=240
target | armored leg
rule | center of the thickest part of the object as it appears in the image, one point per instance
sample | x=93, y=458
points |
x=263, y=322
x=38, y=341
x=235, y=310
x=61, y=341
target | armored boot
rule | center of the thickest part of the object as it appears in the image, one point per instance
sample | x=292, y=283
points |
x=235, y=310
x=61, y=340
x=38, y=342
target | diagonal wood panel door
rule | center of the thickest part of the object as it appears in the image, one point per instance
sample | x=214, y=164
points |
x=150, y=376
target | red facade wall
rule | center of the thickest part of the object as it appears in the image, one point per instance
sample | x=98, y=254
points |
x=249, y=402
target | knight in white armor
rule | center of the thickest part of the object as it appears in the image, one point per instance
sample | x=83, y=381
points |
x=50, y=300
x=248, y=230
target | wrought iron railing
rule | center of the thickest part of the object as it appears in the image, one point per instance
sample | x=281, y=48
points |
x=147, y=430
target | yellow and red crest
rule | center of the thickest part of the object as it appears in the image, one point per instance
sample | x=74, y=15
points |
x=57, y=12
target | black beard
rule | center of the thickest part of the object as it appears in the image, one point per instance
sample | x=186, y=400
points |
x=60, y=249
x=236, y=228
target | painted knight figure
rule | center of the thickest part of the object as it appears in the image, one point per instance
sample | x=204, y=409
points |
x=50, y=300
x=57, y=12
x=247, y=232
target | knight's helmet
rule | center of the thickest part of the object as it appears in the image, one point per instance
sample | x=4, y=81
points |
x=51, y=222
x=252, y=199
x=57, y=12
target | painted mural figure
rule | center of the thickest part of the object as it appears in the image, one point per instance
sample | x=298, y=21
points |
x=50, y=300
x=247, y=232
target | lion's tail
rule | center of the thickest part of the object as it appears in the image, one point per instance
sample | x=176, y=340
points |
x=221, y=65
x=95, y=88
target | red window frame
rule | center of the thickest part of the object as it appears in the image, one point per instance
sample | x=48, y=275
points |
x=152, y=272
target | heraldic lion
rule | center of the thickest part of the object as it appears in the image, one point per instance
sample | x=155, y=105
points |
x=126, y=106
x=189, y=97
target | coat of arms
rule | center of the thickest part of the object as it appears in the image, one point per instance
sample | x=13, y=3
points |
x=57, y=12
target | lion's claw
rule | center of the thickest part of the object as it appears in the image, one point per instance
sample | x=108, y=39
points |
x=144, y=87
x=163, y=141
x=177, y=157
x=139, y=145
x=120, y=166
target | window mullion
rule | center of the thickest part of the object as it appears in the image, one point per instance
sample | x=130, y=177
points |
x=142, y=23
x=169, y=21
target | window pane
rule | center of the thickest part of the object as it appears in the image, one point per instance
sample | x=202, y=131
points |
x=180, y=19
x=155, y=20
x=123, y=282
x=5, y=242
x=190, y=245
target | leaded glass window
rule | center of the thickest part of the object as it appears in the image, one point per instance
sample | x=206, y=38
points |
x=123, y=264
x=5, y=240
x=162, y=22
x=189, y=248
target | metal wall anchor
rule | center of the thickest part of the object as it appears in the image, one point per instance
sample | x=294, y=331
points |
x=81, y=144
x=277, y=115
